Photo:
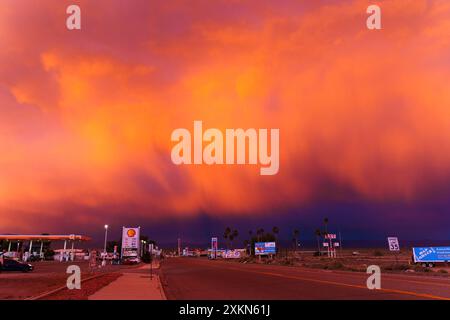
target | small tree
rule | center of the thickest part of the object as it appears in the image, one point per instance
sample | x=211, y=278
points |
x=318, y=233
x=296, y=235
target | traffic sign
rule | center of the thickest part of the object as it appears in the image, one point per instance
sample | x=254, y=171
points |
x=393, y=244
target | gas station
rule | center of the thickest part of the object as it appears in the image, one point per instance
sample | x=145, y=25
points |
x=70, y=239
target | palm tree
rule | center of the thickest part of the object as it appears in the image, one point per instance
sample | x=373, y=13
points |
x=325, y=222
x=275, y=231
x=318, y=234
x=227, y=234
x=233, y=235
x=260, y=233
x=296, y=234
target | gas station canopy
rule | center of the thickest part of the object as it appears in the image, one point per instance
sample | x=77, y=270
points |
x=40, y=237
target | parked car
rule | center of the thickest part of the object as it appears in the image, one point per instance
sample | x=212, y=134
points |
x=13, y=265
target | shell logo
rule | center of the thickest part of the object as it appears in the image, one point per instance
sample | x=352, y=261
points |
x=131, y=233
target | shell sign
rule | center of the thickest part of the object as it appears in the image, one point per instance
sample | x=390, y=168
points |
x=130, y=242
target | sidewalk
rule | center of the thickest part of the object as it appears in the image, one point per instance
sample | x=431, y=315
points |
x=135, y=285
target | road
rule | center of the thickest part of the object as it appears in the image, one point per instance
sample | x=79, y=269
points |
x=198, y=278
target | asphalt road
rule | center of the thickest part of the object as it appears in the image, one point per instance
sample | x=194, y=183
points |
x=197, y=278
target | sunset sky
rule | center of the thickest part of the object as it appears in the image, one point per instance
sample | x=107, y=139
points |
x=364, y=116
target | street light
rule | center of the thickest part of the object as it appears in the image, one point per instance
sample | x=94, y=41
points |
x=143, y=242
x=104, y=249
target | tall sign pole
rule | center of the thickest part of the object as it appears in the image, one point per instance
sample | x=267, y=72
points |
x=394, y=246
x=151, y=261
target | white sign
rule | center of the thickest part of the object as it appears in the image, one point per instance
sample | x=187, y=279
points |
x=336, y=244
x=130, y=241
x=232, y=254
x=326, y=244
x=330, y=236
x=214, y=243
x=393, y=244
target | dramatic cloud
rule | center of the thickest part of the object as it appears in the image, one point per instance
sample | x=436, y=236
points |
x=86, y=116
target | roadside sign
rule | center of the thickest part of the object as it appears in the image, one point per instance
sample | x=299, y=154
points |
x=336, y=244
x=265, y=248
x=130, y=242
x=232, y=254
x=214, y=246
x=214, y=243
x=393, y=244
x=326, y=244
x=431, y=254
x=330, y=236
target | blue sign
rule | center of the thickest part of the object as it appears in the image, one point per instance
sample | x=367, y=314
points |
x=264, y=248
x=431, y=254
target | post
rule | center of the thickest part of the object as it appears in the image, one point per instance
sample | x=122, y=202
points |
x=61, y=257
x=73, y=253
x=106, y=238
x=331, y=247
x=42, y=247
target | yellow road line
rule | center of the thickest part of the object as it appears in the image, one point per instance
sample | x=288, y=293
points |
x=411, y=293
x=386, y=276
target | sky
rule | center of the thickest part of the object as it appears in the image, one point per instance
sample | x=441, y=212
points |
x=86, y=116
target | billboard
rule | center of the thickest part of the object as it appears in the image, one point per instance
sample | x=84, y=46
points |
x=130, y=241
x=431, y=254
x=265, y=248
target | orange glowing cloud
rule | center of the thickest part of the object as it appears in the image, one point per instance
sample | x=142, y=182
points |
x=86, y=116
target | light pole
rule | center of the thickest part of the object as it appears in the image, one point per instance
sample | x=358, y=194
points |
x=104, y=248
x=143, y=243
